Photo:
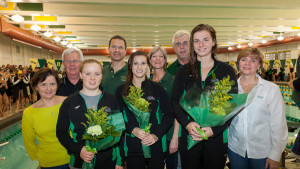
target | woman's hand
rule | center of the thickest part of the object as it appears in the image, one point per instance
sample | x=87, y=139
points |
x=139, y=133
x=208, y=131
x=272, y=164
x=119, y=167
x=173, y=147
x=150, y=139
x=86, y=156
x=192, y=129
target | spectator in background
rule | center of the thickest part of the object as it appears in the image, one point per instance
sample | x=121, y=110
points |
x=3, y=88
x=292, y=73
x=72, y=59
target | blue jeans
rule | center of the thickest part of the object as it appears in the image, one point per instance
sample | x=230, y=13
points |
x=239, y=162
x=66, y=166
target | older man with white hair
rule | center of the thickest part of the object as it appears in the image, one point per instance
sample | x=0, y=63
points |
x=71, y=83
x=181, y=45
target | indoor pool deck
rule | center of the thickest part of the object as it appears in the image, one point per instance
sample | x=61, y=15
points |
x=13, y=154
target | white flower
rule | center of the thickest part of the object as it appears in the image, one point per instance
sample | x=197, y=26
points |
x=95, y=130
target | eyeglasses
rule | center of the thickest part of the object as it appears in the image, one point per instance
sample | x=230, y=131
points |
x=68, y=62
x=184, y=44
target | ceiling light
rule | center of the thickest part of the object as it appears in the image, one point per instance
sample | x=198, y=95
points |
x=229, y=48
x=133, y=50
x=70, y=45
x=35, y=27
x=64, y=42
x=264, y=41
x=250, y=44
x=3, y=3
x=239, y=46
x=48, y=34
x=280, y=38
x=17, y=18
x=57, y=39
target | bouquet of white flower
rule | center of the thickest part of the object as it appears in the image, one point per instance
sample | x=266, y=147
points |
x=102, y=131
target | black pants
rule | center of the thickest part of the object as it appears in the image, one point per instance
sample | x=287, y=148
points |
x=204, y=155
x=156, y=161
x=171, y=159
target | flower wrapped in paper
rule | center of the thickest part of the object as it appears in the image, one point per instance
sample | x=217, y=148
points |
x=102, y=131
x=213, y=107
x=140, y=109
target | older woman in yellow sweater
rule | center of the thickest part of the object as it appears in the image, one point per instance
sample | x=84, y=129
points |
x=39, y=121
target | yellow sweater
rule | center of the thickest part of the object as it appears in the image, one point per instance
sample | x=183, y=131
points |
x=41, y=123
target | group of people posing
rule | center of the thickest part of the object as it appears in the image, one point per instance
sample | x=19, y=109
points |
x=256, y=136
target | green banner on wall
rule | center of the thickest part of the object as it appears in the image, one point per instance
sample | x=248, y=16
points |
x=58, y=64
x=42, y=62
x=294, y=62
x=282, y=62
x=271, y=63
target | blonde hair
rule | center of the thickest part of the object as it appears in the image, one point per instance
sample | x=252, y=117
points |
x=88, y=61
x=253, y=52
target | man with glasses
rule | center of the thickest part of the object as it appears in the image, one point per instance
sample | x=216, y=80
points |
x=71, y=82
x=181, y=45
x=114, y=74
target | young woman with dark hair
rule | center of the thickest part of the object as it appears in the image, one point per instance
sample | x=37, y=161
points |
x=161, y=117
x=209, y=153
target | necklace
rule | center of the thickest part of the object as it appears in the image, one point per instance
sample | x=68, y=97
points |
x=247, y=87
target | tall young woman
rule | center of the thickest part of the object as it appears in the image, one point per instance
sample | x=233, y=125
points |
x=161, y=117
x=259, y=134
x=158, y=61
x=210, y=153
x=69, y=128
x=39, y=121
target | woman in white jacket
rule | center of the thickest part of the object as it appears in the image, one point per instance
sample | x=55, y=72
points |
x=258, y=135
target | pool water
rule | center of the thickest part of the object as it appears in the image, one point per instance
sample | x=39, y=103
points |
x=14, y=155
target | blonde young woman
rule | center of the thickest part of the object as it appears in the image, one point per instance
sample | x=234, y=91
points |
x=72, y=115
x=39, y=121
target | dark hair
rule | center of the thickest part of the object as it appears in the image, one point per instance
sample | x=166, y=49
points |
x=117, y=37
x=193, y=68
x=42, y=75
x=129, y=75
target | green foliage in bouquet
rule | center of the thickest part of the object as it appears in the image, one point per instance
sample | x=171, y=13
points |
x=219, y=99
x=135, y=98
x=147, y=128
x=98, y=126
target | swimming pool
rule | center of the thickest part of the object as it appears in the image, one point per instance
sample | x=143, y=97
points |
x=14, y=155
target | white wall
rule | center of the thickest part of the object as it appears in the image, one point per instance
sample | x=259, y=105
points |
x=16, y=53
